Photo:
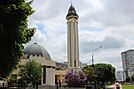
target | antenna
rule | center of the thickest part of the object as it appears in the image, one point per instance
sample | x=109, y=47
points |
x=71, y=2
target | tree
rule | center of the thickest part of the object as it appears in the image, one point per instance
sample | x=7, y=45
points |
x=128, y=79
x=101, y=73
x=75, y=79
x=104, y=73
x=31, y=72
x=88, y=70
x=14, y=32
x=132, y=78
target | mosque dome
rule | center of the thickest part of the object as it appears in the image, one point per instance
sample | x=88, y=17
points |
x=36, y=50
x=72, y=12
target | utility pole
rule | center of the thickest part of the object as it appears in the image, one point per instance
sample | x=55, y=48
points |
x=93, y=62
x=93, y=54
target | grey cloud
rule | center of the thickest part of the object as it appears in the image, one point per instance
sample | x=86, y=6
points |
x=114, y=13
x=107, y=43
x=118, y=12
x=49, y=9
x=115, y=61
x=112, y=60
x=112, y=43
x=125, y=7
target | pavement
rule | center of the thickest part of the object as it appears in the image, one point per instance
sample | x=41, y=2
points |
x=42, y=87
x=51, y=87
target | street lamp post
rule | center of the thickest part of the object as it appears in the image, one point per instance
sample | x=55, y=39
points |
x=93, y=62
x=93, y=54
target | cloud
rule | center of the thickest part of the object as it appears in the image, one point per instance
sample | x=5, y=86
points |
x=114, y=61
x=107, y=22
x=110, y=13
x=112, y=43
x=107, y=43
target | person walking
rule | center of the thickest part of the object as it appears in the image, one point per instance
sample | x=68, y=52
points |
x=118, y=86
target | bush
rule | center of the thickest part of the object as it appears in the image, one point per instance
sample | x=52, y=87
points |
x=75, y=79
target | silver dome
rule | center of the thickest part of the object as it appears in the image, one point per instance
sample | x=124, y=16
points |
x=36, y=50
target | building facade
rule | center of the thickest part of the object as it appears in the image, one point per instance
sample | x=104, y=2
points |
x=128, y=62
x=120, y=76
x=52, y=72
x=72, y=38
x=41, y=55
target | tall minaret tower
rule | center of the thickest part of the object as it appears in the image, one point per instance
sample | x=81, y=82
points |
x=72, y=38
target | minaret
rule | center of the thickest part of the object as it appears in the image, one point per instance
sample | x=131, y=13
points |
x=72, y=38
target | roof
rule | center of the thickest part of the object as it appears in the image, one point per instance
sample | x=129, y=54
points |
x=72, y=12
x=61, y=66
x=36, y=50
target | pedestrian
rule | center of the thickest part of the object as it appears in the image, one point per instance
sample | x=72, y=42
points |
x=118, y=86
x=59, y=83
x=56, y=85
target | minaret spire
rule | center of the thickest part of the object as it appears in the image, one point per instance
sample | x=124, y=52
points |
x=72, y=13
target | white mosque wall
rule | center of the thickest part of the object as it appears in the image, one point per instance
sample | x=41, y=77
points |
x=50, y=76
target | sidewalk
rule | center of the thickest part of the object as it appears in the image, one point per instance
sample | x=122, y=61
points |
x=52, y=87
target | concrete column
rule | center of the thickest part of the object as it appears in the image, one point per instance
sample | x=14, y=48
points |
x=50, y=76
x=42, y=76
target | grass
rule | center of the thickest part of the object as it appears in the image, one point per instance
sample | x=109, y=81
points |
x=128, y=86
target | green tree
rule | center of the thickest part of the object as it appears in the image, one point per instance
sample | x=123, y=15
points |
x=14, y=32
x=88, y=70
x=100, y=73
x=128, y=79
x=132, y=78
x=31, y=72
x=104, y=73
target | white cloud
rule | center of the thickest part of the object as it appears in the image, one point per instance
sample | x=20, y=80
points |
x=101, y=22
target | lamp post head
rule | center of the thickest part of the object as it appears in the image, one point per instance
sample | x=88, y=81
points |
x=97, y=48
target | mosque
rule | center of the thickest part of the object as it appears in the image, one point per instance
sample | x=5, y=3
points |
x=53, y=71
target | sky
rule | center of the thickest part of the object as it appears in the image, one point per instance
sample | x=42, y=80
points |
x=106, y=23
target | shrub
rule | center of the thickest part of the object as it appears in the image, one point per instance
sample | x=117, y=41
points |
x=75, y=79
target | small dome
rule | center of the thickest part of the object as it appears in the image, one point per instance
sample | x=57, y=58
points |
x=72, y=12
x=36, y=50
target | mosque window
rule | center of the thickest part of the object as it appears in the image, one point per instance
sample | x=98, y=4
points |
x=41, y=55
x=44, y=75
x=74, y=63
x=72, y=11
